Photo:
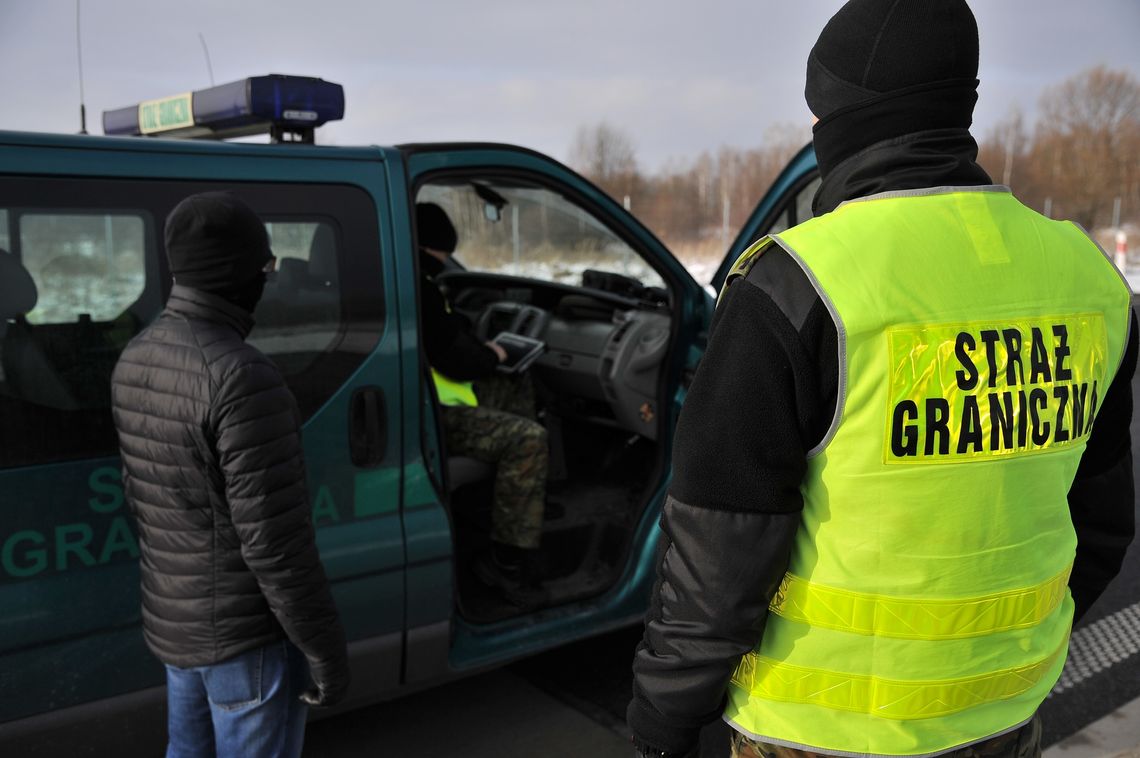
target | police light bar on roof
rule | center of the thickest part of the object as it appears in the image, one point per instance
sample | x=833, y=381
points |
x=289, y=108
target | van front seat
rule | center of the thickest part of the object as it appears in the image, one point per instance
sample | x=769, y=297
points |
x=28, y=375
x=18, y=293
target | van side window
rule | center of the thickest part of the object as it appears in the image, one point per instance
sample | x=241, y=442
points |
x=85, y=266
x=83, y=271
x=323, y=310
x=782, y=222
x=796, y=210
x=72, y=278
x=512, y=227
x=298, y=318
x=804, y=200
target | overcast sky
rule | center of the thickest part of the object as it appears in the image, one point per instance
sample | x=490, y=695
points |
x=678, y=76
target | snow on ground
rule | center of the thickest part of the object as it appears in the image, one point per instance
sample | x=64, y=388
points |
x=700, y=268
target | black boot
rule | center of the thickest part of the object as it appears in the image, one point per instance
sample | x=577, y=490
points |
x=512, y=572
x=553, y=510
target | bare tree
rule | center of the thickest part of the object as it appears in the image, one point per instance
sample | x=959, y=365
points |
x=1083, y=154
x=605, y=154
x=707, y=198
x=1086, y=143
x=1007, y=154
x=1006, y=147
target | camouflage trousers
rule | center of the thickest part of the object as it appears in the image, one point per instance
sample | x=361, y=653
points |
x=1024, y=742
x=502, y=431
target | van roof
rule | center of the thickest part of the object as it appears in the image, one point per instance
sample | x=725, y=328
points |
x=160, y=145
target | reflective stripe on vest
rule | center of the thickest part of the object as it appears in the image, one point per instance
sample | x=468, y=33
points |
x=926, y=603
x=887, y=698
x=918, y=618
x=451, y=392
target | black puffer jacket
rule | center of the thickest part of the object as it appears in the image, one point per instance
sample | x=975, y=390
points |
x=213, y=470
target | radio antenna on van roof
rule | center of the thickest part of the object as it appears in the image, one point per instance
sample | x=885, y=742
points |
x=206, y=51
x=79, y=57
x=287, y=108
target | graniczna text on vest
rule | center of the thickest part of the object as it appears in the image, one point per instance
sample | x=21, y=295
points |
x=986, y=389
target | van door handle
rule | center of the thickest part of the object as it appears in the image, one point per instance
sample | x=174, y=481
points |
x=367, y=427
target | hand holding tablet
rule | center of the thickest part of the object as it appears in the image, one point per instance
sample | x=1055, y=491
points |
x=521, y=351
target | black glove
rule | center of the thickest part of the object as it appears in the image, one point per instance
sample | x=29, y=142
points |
x=645, y=750
x=318, y=698
x=651, y=729
x=330, y=686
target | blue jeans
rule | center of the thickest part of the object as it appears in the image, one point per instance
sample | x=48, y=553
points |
x=247, y=706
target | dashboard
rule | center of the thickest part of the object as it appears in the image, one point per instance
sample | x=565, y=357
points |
x=604, y=351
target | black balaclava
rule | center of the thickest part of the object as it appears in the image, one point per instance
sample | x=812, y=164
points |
x=885, y=68
x=217, y=244
x=434, y=229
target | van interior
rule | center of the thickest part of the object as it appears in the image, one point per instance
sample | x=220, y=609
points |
x=531, y=261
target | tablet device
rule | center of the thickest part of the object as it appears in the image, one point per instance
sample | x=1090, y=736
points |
x=521, y=351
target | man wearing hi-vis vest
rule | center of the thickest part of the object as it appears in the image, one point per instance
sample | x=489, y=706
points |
x=487, y=417
x=903, y=467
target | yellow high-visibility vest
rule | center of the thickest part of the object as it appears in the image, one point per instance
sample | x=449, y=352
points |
x=926, y=604
x=452, y=392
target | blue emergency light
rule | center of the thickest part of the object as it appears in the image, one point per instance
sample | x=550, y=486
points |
x=289, y=108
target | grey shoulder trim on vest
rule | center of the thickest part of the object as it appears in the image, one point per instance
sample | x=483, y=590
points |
x=841, y=331
x=924, y=191
x=785, y=282
x=744, y=263
x=1127, y=286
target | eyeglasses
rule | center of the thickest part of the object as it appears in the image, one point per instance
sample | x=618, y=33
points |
x=270, y=266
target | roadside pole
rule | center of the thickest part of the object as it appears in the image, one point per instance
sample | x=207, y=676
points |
x=1122, y=251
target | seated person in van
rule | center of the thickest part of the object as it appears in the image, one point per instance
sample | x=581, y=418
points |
x=486, y=416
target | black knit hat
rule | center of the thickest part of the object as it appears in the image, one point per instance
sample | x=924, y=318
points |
x=886, y=70
x=872, y=47
x=215, y=243
x=434, y=229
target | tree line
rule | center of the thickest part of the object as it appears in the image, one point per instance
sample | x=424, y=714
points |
x=1080, y=160
x=694, y=205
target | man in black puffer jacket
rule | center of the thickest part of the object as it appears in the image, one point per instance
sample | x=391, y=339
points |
x=235, y=599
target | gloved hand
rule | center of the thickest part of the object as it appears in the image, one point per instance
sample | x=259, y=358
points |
x=330, y=686
x=319, y=698
x=651, y=730
x=645, y=750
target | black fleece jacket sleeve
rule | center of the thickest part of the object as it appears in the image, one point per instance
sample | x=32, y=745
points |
x=452, y=349
x=1102, y=497
x=753, y=411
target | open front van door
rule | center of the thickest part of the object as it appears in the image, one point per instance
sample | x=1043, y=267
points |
x=543, y=253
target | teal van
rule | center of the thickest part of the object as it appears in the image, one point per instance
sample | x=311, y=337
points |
x=542, y=252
